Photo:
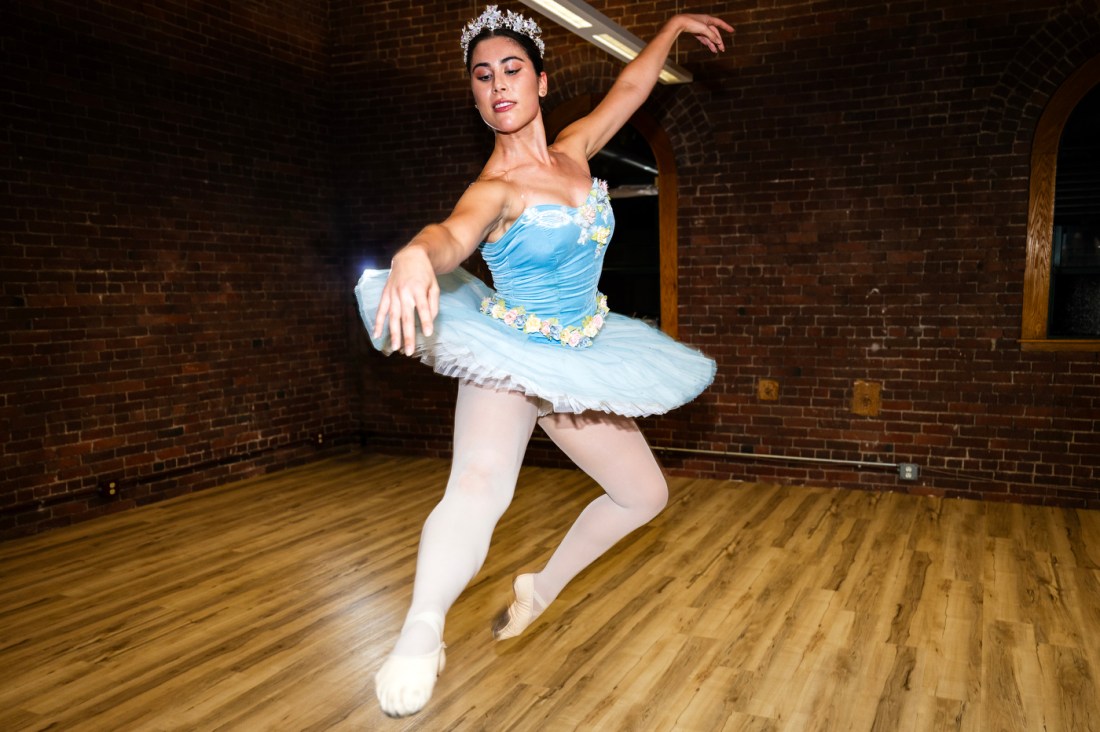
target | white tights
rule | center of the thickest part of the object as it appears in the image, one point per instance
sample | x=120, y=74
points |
x=492, y=429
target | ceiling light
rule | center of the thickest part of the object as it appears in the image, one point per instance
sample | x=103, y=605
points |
x=617, y=47
x=595, y=27
x=560, y=13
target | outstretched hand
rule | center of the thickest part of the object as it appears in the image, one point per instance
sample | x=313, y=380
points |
x=706, y=28
x=411, y=291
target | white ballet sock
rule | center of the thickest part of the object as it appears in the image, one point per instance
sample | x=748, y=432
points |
x=404, y=684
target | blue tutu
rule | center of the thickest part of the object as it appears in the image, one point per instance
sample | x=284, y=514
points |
x=546, y=331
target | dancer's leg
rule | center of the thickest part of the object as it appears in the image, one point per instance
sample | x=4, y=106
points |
x=614, y=453
x=491, y=432
x=612, y=450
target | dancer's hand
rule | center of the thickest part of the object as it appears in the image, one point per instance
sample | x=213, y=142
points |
x=411, y=291
x=706, y=28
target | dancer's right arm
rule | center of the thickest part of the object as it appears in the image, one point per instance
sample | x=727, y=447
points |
x=412, y=290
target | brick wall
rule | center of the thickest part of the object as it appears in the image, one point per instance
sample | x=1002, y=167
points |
x=190, y=189
x=173, y=310
x=853, y=207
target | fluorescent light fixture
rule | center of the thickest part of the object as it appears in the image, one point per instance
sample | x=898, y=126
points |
x=561, y=13
x=617, y=47
x=667, y=77
x=595, y=27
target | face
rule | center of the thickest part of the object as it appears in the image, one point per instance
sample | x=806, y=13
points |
x=505, y=85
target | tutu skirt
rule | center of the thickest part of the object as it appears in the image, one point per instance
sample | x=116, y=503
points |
x=631, y=368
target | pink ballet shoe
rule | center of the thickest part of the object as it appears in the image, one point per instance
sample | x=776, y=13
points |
x=515, y=618
x=404, y=684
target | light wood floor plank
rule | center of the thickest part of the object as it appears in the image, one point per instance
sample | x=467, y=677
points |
x=268, y=605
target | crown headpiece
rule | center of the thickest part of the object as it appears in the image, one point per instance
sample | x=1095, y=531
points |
x=492, y=19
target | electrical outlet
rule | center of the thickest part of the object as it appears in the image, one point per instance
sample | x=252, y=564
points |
x=908, y=471
x=109, y=489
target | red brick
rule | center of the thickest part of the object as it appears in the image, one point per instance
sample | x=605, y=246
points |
x=853, y=194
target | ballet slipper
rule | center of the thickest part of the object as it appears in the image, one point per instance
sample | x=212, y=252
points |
x=515, y=618
x=404, y=684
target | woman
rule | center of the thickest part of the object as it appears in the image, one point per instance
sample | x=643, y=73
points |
x=542, y=348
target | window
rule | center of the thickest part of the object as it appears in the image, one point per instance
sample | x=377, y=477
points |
x=1062, y=278
x=1074, y=310
x=632, y=266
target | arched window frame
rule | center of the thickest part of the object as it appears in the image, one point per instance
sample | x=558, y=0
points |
x=667, y=190
x=1040, y=214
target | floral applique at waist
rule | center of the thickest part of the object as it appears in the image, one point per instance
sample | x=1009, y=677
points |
x=573, y=336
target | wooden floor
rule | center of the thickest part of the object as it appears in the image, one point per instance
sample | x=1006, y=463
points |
x=268, y=604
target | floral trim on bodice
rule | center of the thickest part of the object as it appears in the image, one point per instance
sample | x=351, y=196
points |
x=593, y=217
x=573, y=336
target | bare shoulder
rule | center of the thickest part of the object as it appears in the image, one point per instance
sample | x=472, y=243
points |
x=487, y=191
x=494, y=200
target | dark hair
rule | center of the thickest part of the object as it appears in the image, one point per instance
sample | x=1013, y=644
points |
x=524, y=41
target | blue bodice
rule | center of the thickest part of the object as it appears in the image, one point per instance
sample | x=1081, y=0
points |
x=549, y=261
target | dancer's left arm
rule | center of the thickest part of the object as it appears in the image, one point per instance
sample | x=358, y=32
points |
x=587, y=135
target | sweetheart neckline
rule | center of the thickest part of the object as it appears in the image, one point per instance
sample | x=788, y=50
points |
x=595, y=183
x=591, y=193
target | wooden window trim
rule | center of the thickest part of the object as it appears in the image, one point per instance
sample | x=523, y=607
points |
x=1040, y=214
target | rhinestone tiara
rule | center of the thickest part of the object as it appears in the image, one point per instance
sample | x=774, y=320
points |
x=492, y=19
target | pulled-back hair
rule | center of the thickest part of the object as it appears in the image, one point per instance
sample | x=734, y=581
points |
x=528, y=45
